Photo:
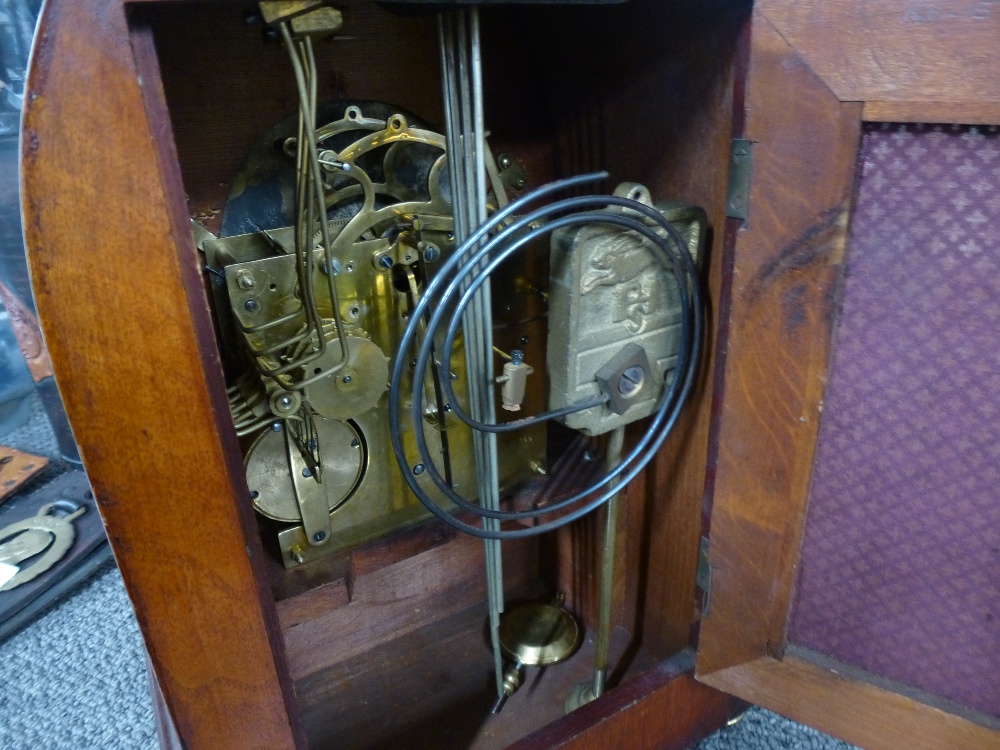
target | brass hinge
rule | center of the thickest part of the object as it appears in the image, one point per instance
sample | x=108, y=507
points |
x=740, y=167
x=704, y=577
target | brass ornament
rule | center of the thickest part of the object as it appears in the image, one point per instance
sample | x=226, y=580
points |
x=45, y=536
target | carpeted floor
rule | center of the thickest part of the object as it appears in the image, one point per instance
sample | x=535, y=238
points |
x=76, y=678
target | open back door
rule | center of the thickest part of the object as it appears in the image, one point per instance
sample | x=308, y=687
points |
x=854, y=531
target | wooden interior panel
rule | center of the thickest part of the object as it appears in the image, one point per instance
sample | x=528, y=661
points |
x=942, y=51
x=226, y=85
x=660, y=114
x=392, y=601
x=366, y=702
x=661, y=709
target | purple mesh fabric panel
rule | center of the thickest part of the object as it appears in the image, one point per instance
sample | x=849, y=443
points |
x=900, y=570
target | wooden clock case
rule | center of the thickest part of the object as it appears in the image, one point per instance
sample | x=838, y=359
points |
x=137, y=115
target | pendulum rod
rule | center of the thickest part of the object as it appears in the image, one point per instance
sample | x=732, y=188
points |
x=609, y=552
x=461, y=62
x=588, y=691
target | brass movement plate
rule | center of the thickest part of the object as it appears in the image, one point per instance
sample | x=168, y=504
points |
x=384, y=258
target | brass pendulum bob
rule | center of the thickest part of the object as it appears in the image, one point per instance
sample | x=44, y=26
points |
x=535, y=635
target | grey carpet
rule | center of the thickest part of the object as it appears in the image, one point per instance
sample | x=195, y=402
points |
x=76, y=678
x=764, y=730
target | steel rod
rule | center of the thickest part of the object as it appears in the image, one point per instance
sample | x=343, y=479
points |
x=609, y=553
x=459, y=42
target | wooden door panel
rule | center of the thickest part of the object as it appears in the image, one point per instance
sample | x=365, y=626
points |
x=786, y=266
x=805, y=116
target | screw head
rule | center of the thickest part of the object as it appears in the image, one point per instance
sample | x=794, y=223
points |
x=276, y=427
x=245, y=281
x=519, y=185
x=385, y=262
x=251, y=305
x=504, y=161
x=286, y=401
x=346, y=379
x=319, y=536
x=431, y=253
x=418, y=470
x=307, y=472
x=631, y=380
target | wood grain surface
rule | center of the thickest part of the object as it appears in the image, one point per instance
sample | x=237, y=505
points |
x=323, y=627
x=662, y=709
x=959, y=113
x=366, y=702
x=942, y=51
x=166, y=732
x=872, y=717
x=118, y=293
x=786, y=267
x=16, y=469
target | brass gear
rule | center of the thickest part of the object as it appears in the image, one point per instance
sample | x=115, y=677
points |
x=354, y=388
